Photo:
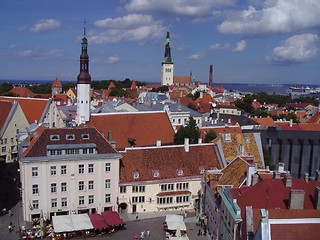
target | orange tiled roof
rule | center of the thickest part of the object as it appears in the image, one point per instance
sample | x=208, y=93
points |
x=267, y=121
x=32, y=108
x=315, y=118
x=133, y=84
x=22, y=92
x=61, y=96
x=5, y=107
x=56, y=83
x=205, y=99
x=167, y=161
x=111, y=85
x=182, y=79
x=145, y=128
x=310, y=126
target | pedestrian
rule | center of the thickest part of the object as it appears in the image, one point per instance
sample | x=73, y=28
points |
x=148, y=233
x=10, y=227
x=137, y=216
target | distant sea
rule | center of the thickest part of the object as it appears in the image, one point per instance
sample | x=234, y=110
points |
x=241, y=87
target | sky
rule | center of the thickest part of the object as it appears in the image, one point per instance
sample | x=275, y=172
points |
x=246, y=41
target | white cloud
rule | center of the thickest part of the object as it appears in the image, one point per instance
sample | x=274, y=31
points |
x=44, y=25
x=241, y=46
x=276, y=16
x=37, y=54
x=196, y=56
x=133, y=27
x=218, y=46
x=195, y=10
x=113, y=59
x=296, y=49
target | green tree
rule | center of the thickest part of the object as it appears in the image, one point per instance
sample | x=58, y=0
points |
x=190, y=131
x=5, y=87
x=210, y=136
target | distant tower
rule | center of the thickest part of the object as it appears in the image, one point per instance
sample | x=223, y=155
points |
x=167, y=64
x=83, y=84
x=210, y=76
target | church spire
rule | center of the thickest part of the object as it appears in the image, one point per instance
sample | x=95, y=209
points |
x=167, y=51
x=84, y=76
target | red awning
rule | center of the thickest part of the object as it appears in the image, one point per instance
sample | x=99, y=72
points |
x=98, y=221
x=112, y=218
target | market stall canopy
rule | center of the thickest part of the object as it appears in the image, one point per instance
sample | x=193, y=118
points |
x=62, y=223
x=174, y=218
x=176, y=225
x=112, y=218
x=81, y=222
x=98, y=221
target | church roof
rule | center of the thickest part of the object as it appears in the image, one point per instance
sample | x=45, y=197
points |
x=56, y=83
x=182, y=79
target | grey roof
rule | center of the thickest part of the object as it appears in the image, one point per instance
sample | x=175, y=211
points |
x=173, y=107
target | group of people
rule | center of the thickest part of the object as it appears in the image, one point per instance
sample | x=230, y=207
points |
x=142, y=235
x=10, y=227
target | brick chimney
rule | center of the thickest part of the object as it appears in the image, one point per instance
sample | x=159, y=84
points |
x=317, y=198
x=296, y=199
x=210, y=76
x=186, y=144
x=288, y=181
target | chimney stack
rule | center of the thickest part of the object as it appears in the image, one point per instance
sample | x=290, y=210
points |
x=199, y=140
x=186, y=144
x=306, y=177
x=317, y=198
x=250, y=172
x=255, y=179
x=288, y=181
x=276, y=175
x=296, y=199
x=281, y=167
x=210, y=76
x=158, y=143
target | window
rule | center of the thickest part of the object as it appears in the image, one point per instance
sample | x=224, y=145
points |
x=90, y=168
x=85, y=150
x=91, y=185
x=70, y=137
x=64, y=202
x=91, y=199
x=164, y=200
x=81, y=186
x=35, y=189
x=180, y=172
x=52, y=152
x=53, y=188
x=53, y=170
x=54, y=137
x=108, y=183
x=81, y=168
x=54, y=203
x=138, y=189
x=167, y=187
x=59, y=152
x=35, y=204
x=156, y=174
x=182, y=199
x=91, y=150
x=108, y=198
x=76, y=151
x=35, y=172
x=138, y=199
x=63, y=187
x=108, y=167
x=63, y=169
x=135, y=175
x=81, y=200
x=4, y=149
x=85, y=136
x=123, y=189
x=70, y=151
x=182, y=186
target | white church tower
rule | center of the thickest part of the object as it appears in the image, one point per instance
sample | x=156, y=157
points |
x=83, y=84
x=167, y=64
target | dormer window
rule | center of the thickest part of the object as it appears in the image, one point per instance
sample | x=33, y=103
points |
x=55, y=137
x=180, y=172
x=136, y=175
x=70, y=137
x=227, y=137
x=202, y=170
x=156, y=174
x=85, y=136
x=247, y=140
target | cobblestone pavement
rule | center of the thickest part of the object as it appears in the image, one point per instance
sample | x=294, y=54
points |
x=152, y=221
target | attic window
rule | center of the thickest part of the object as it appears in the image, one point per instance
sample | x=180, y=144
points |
x=156, y=174
x=226, y=137
x=202, y=170
x=55, y=137
x=247, y=140
x=180, y=172
x=135, y=175
x=70, y=137
x=85, y=136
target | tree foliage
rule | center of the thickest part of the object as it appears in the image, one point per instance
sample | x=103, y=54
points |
x=190, y=131
x=210, y=136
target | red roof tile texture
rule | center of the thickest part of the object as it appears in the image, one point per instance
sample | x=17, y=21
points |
x=32, y=108
x=167, y=161
x=22, y=92
x=145, y=128
x=5, y=107
x=40, y=141
x=182, y=79
x=295, y=231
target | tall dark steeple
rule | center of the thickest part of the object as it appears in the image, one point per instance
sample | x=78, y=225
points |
x=84, y=76
x=167, y=52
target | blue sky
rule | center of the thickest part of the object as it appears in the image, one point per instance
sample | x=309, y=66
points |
x=247, y=41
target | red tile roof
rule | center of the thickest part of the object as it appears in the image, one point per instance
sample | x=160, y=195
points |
x=5, y=107
x=40, y=140
x=22, y=92
x=32, y=108
x=315, y=118
x=56, y=83
x=61, y=97
x=167, y=161
x=111, y=85
x=286, y=126
x=310, y=126
x=145, y=127
x=133, y=85
x=182, y=79
x=267, y=121
x=295, y=231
